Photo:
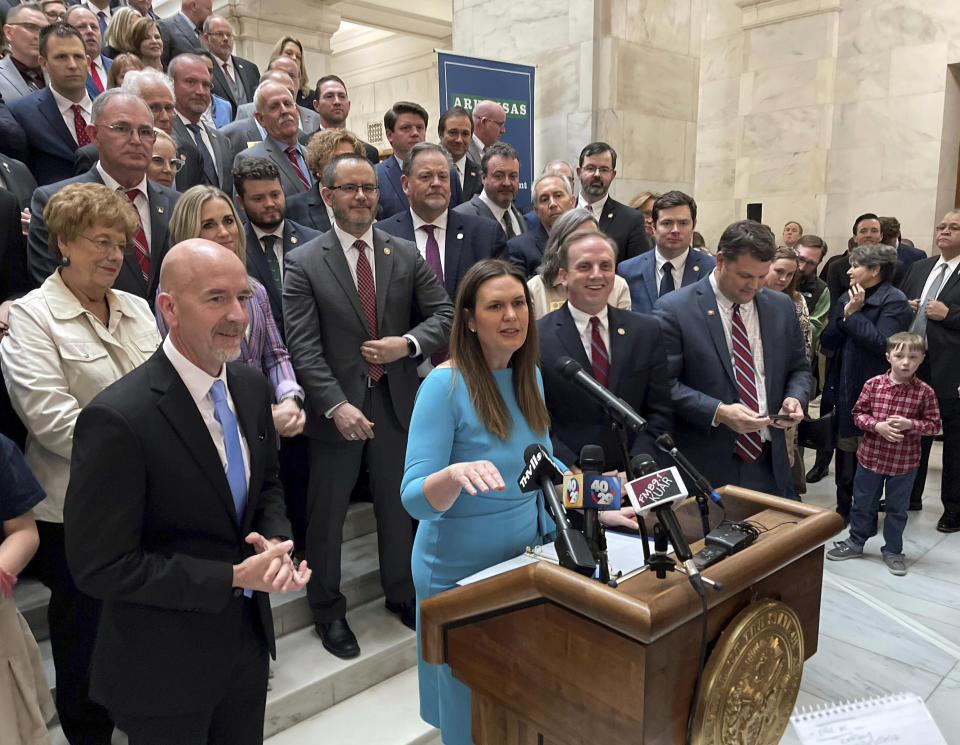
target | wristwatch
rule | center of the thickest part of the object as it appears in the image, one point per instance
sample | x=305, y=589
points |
x=411, y=347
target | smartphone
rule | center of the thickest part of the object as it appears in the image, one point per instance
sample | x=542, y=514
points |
x=779, y=417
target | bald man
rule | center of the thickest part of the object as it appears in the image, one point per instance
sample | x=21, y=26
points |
x=176, y=520
x=489, y=124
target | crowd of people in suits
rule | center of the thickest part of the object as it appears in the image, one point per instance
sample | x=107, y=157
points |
x=224, y=317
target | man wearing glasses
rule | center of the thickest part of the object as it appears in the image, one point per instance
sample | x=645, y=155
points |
x=234, y=79
x=122, y=131
x=20, y=71
x=489, y=125
x=597, y=170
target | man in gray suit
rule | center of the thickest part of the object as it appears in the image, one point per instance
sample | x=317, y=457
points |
x=234, y=78
x=20, y=71
x=309, y=120
x=181, y=32
x=347, y=302
x=191, y=91
x=277, y=114
x=245, y=131
x=500, y=174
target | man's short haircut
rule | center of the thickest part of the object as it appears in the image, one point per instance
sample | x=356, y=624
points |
x=16, y=10
x=101, y=101
x=453, y=111
x=330, y=79
x=134, y=81
x=889, y=229
x=864, y=216
x=747, y=237
x=330, y=169
x=567, y=186
x=581, y=235
x=674, y=199
x=912, y=342
x=60, y=30
x=598, y=148
x=422, y=147
x=180, y=59
x=812, y=241
x=404, y=107
x=876, y=254
x=208, y=21
x=503, y=149
x=253, y=169
x=793, y=222
x=258, y=96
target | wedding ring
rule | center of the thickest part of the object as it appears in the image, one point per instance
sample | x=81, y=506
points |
x=353, y=435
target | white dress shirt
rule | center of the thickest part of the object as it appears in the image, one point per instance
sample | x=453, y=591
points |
x=498, y=213
x=347, y=241
x=204, y=135
x=107, y=12
x=952, y=267
x=678, y=265
x=277, y=245
x=140, y=202
x=65, y=104
x=461, y=167
x=585, y=329
x=198, y=384
x=595, y=208
x=440, y=233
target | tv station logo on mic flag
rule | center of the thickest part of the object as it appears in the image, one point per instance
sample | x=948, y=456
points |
x=602, y=493
x=660, y=487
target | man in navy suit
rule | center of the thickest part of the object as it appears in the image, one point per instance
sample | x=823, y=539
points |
x=456, y=131
x=552, y=196
x=332, y=104
x=735, y=355
x=461, y=240
x=500, y=173
x=122, y=166
x=555, y=168
x=84, y=21
x=405, y=124
x=55, y=118
x=674, y=220
x=623, y=350
x=597, y=170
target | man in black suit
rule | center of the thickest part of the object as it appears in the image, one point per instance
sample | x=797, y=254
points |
x=552, y=196
x=181, y=32
x=234, y=78
x=332, y=104
x=933, y=288
x=866, y=231
x=348, y=297
x=174, y=518
x=456, y=132
x=500, y=173
x=13, y=142
x=459, y=240
x=623, y=350
x=16, y=177
x=597, y=170
x=122, y=166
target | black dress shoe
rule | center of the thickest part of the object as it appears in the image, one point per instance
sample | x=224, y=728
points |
x=816, y=474
x=338, y=639
x=406, y=612
x=949, y=523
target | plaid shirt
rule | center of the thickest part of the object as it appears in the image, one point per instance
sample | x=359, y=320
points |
x=880, y=399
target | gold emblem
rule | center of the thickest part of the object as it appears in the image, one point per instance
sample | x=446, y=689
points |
x=621, y=331
x=710, y=312
x=386, y=251
x=459, y=236
x=696, y=269
x=293, y=239
x=752, y=678
x=160, y=210
x=609, y=215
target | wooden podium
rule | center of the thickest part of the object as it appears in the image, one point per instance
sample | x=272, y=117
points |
x=554, y=658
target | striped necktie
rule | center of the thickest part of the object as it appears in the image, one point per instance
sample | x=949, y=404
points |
x=598, y=353
x=749, y=444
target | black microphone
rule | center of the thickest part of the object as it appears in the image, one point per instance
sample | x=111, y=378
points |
x=666, y=444
x=618, y=409
x=591, y=464
x=542, y=473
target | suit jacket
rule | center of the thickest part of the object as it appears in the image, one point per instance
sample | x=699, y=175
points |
x=326, y=325
x=189, y=175
x=92, y=89
x=526, y=250
x=309, y=209
x=13, y=249
x=179, y=37
x=373, y=155
x=19, y=180
x=289, y=180
x=469, y=239
x=477, y=206
x=221, y=153
x=638, y=375
x=13, y=142
x=12, y=84
x=294, y=236
x=943, y=337
x=50, y=146
x=145, y=472
x=247, y=77
x=309, y=119
x=625, y=225
x=474, y=152
x=392, y=199
x=641, y=275
x=909, y=254
x=701, y=375
x=40, y=261
x=472, y=185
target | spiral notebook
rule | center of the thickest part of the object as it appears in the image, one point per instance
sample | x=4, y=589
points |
x=900, y=718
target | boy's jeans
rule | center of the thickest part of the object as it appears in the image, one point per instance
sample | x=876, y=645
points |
x=867, y=491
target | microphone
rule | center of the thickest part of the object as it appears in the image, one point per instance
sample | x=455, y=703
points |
x=591, y=463
x=666, y=444
x=542, y=473
x=616, y=407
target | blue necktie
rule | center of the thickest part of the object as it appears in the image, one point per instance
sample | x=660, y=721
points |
x=236, y=474
x=102, y=19
x=209, y=169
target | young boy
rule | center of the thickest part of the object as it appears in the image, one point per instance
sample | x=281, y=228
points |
x=894, y=410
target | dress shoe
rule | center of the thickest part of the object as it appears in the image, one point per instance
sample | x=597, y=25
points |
x=406, y=612
x=816, y=474
x=949, y=523
x=338, y=639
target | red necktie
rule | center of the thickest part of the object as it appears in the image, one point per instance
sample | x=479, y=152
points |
x=598, y=352
x=749, y=444
x=291, y=153
x=368, y=299
x=139, y=238
x=80, y=124
x=97, y=80
x=226, y=71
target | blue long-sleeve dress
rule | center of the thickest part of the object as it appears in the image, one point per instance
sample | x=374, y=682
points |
x=477, y=531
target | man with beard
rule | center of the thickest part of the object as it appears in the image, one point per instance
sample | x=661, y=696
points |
x=333, y=105
x=500, y=173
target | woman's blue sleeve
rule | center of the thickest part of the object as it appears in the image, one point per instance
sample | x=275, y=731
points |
x=429, y=442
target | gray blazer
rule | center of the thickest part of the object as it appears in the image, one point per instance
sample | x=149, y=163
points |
x=221, y=151
x=179, y=37
x=289, y=181
x=309, y=120
x=12, y=84
x=325, y=346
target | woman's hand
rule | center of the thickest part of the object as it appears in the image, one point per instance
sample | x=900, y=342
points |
x=625, y=517
x=855, y=303
x=476, y=475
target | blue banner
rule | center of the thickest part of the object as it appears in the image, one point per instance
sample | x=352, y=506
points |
x=466, y=80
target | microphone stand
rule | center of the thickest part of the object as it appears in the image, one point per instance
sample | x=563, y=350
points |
x=623, y=438
x=702, y=497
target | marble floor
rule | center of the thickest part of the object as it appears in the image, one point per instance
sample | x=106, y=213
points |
x=883, y=634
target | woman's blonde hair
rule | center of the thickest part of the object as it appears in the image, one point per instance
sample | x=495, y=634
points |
x=139, y=32
x=277, y=51
x=123, y=63
x=76, y=208
x=324, y=143
x=186, y=222
x=122, y=21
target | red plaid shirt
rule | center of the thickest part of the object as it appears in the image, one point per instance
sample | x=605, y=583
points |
x=880, y=399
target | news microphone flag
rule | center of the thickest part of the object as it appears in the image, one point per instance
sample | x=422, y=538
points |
x=656, y=489
x=602, y=493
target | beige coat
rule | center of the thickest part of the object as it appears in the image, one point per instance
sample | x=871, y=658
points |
x=56, y=357
x=546, y=300
x=25, y=702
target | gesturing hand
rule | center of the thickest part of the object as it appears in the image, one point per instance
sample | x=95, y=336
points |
x=857, y=296
x=271, y=568
x=476, y=474
x=351, y=422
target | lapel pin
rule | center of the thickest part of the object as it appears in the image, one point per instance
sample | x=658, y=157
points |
x=262, y=436
x=710, y=312
x=293, y=239
x=459, y=236
x=386, y=251
x=696, y=269
x=160, y=210
x=6, y=165
x=609, y=215
x=183, y=156
x=621, y=331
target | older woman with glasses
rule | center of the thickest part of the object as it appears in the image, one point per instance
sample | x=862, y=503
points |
x=68, y=340
x=164, y=164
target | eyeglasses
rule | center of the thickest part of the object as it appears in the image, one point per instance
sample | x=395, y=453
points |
x=156, y=108
x=104, y=246
x=951, y=228
x=124, y=129
x=502, y=125
x=354, y=188
x=175, y=164
x=222, y=34
x=602, y=170
x=31, y=27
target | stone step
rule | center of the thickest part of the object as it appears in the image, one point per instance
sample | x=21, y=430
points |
x=385, y=714
x=308, y=680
